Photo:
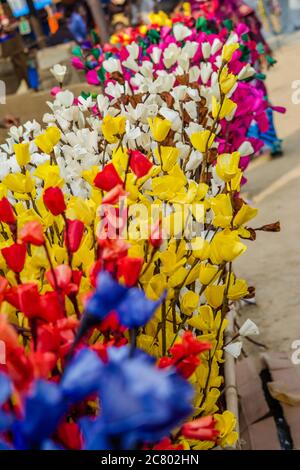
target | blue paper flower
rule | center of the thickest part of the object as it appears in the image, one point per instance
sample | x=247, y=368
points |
x=139, y=402
x=133, y=307
x=5, y=388
x=82, y=376
x=136, y=310
x=6, y=419
x=44, y=409
x=107, y=296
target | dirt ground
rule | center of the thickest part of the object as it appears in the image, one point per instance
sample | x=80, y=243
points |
x=272, y=263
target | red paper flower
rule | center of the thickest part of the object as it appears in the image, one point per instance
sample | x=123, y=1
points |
x=139, y=163
x=68, y=281
x=202, y=429
x=69, y=435
x=51, y=307
x=32, y=233
x=57, y=337
x=14, y=256
x=29, y=299
x=63, y=276
x=6, y=212
x=130, y=269
x=108, y=178
x=74, y=234
x=54, y=200
x=185, y=355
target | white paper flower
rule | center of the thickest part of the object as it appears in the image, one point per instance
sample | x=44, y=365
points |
x=146, y=69
x=59, y=71
x=249, y=328
x=205, y=72
x=206, y=50
x=133, y=50
x=190, y=49
x=112, y=65
x=64, y=98
x=172, y=116
x=246, y=72
x=216, y=46
x=246, y=149
x=194, y=73
x=156, y=54
x=181, y=32
x=191, y=109
x=234, y=349
x=170, y=55
x=131, y=64
x=194, y=160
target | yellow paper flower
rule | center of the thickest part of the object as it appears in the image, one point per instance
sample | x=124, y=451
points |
x=159, y=128
x=47, y=141
x=22, y=153
x=245, y=214
x=167, y=156
x=113, y=128
x=81, y=210
x=203, y=140
x=215, y=295
x=228, y=166
x=238, y=288
x=208, y=273
x=222, y=209
x=19, y=183
x=50, y=174
x=201, y=248
x=227, y=81
x=189, y=302
x=226, y=246
x=220, y=112
x=228, y=51
x=226, y=423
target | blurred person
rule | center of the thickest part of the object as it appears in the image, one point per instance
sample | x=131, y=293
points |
x=77, y=21
x=12, y=45
x=119, y=14
x=62, y=35
x=119, y=22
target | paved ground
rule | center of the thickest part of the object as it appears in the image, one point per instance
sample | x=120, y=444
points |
x=272, y=263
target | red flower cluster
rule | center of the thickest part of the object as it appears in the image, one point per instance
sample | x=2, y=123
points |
x=184, y=355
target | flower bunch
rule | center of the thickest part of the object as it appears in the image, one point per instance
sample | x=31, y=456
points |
x=120, y=222
x=153, y=55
